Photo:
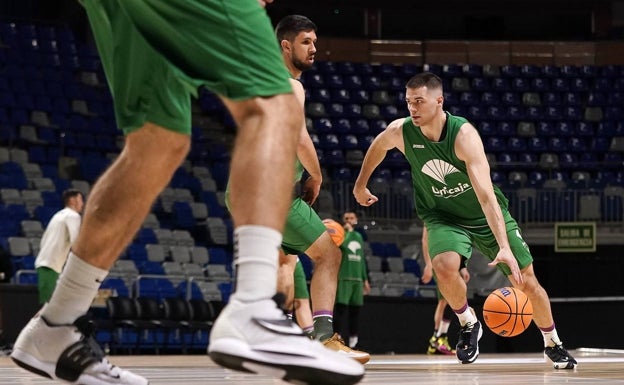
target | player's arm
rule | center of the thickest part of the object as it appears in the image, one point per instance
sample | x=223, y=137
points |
x=307, y=154
x=469, y=148
x=388, y=139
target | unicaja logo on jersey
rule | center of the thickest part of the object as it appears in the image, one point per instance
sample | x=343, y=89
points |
x=354, y=247
x=438, y=169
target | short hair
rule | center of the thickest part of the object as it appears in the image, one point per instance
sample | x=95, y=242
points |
x=425, y=79
x=291, y=25
x=68, y=194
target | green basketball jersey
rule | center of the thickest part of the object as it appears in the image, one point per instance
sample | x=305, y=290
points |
x=442, y=189
x=352, y=266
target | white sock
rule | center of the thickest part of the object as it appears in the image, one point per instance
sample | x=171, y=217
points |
x=353, y=341
x=466, y=316
x=444, y=325
x=256, y=262
x=77, y=285
x=551, y=338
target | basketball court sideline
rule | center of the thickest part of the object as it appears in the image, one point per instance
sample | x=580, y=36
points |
x=596, y=366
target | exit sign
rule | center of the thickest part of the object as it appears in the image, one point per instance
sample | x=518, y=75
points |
x=575, y=237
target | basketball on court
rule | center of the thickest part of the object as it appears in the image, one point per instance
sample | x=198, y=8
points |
x=507, y=311
x=335, y=230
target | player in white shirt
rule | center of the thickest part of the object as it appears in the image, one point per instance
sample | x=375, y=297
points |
x=56, y=241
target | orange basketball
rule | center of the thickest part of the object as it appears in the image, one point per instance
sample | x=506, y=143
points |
x=335, y=230
x=507, y=311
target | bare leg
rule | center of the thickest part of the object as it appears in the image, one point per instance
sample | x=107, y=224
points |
x=286, y=278
x=303, y=312
x=542, y=314
x=262, y=168
x=439, y=313
x=326, y=256
x=451, y=284
x=124, y=194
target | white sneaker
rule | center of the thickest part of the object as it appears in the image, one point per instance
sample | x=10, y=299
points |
x=68, y=353
x=257, y=337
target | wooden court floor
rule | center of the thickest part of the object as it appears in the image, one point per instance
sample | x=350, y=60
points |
x=595, y=367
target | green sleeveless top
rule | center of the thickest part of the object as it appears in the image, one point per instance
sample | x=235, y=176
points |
x=442, y=189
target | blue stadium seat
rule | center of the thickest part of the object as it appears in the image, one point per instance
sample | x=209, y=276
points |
x=496, y=113
x=334, y=157
x=572, y=99
x=313, y=80
x=568, y=160
x=537, y=144
x=510, y=71
x=360, y=96
x=577, y=144
x=584, y=129
x=560, y=85
x=500, y=85
x=506, y=128
x=322, y=125
x=495, y=144
x=551, y=98
x=342, y=173
x=530, y=71
x=469, y=98
x=553, y=113
x=520, y=84
x=353, y=82
x=516, y=144
x=579, y=85
x=536, y=178
x=570, y=71
x=516, y=113
x=557, y=144
x=506, y=160
x=527, y=160
x=334, y=80
x=540, y=85
x=480, y=84
x=339, y=95
x=486, y=128
x=341, y=126
x=321, y=95
x=564, y=129
x=335, y=110
x=499, y=178
x=345, y=67
x=349, y=142
x=489, y=98
x=329, y=141
x=360, y=126
x=326, y=67
x=551, y=71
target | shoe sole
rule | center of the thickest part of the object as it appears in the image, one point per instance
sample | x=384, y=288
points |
x=564, y=365
x=33, y=365
x=362, y=359
x=477, y=353
x=289, y=373
x=26, y=361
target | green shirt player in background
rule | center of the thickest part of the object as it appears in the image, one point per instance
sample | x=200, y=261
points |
x=352, y=282
x=460, y=207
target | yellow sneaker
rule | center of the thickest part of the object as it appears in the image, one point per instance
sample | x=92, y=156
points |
x=337, y=343
x=433, y=345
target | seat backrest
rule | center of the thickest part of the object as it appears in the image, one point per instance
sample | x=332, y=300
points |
x=121, y=308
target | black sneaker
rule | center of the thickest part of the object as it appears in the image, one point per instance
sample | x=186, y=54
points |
x=560, y=357
x=468, y=344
